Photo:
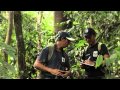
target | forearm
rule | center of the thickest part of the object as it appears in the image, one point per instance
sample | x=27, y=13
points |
x=40, y=66
x=106, y=56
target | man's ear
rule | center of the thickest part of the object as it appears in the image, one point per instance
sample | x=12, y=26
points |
x=93, y=36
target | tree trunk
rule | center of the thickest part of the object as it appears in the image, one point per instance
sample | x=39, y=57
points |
x=59, y=17
x=38, y=27
x=9, y=32
x=20, y=44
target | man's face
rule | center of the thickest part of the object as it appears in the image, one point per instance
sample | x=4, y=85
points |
x=65, y=42
x=90, y=39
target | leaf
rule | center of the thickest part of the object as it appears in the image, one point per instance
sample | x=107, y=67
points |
x=8, y=49
x=108, y=62
x=7, y=71
x=80, y=43
x=99, y=61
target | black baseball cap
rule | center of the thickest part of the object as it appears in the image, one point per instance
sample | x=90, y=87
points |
x=65, y=35
x=89, y=32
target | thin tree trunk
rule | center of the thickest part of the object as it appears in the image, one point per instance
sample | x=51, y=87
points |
x=20, y=44
x=39, y=20
x=58, y=18
x=9, y=32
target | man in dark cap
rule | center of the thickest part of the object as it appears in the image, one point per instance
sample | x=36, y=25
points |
x=56, y=67
x=90, y=56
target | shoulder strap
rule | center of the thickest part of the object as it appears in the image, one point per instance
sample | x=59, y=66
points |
x=99, y=46
x=51, y=50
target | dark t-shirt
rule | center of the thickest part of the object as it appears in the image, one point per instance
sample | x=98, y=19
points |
x=59, y=60
x=92, y=53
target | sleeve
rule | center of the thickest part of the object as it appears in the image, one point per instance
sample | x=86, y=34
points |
x=43, y=56
x=104, y=49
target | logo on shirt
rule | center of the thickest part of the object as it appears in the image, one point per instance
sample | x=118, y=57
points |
x=63, y=59
x=95, y=53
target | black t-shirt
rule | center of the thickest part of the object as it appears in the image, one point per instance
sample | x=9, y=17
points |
x=92, y=53
x=59, y=60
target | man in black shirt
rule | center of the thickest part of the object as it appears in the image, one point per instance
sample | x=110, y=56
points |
x=58, y=66
x=90, y=55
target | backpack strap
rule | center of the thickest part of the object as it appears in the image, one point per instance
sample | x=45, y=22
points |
x=51, y=50
x=99, y=46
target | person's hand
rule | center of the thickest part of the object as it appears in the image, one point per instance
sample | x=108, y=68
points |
x=89, y=62
x=56, y=72
x=66, y=73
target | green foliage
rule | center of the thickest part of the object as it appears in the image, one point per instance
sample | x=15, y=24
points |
x=7, y=71
x=3, y=26
x=113, y=65
x=105, y=23
x=77, y=71
x=99, y=61
x=47, y=27
x=75, y=53
x=8, y=49
x=31, y=35
x=81, y=43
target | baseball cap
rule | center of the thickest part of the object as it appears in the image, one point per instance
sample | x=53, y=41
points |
x=89, y=32
x=65, y=35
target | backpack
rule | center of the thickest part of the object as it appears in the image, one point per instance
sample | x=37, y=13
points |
x=99, y=46
x=51, y=51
